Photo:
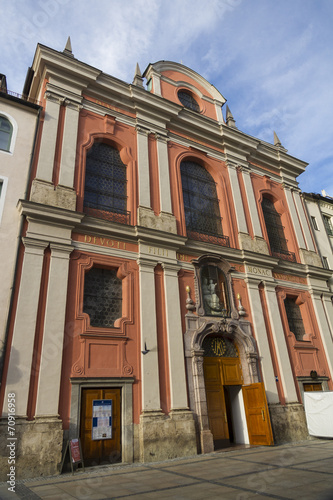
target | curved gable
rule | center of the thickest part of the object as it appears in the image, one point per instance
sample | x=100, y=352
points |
x=167, y=78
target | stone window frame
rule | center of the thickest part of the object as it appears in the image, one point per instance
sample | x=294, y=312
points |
x=302, y=300
x=125, y=273
x=125, y=384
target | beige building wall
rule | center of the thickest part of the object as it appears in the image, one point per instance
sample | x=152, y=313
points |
x=14, y=171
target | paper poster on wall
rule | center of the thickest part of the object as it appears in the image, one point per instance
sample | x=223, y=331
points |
x=102, y=419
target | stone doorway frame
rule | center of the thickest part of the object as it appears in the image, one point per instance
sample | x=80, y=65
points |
x=198, y=327
x=126, y=386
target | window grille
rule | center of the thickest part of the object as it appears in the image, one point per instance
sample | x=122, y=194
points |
x=294, y=316
x=275, y=231
x=328, y=225
x=188, y=100
x=105, y=192
x=6, y=130
x=102, y=297
x=201, y=205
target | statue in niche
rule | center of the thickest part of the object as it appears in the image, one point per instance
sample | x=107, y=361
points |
x=214, y=295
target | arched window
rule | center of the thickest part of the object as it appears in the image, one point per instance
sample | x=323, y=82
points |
x=6, y=130
x=188, y=100
x=201, y=205
x=105, y=191
x=275, y=231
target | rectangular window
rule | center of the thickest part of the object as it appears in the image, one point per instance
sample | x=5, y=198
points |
x=102, y=297
x=294, y=317
x=328, y=225
x=314, y=223
x=325, y=263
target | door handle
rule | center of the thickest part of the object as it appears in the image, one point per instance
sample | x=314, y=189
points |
x=263, y=415
x=225, y=418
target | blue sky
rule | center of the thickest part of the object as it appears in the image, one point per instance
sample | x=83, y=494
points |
x=271, y=59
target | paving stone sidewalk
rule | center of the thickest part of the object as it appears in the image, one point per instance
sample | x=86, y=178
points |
x=302, y=471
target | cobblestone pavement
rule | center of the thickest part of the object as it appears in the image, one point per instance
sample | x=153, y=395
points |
x=302, y=471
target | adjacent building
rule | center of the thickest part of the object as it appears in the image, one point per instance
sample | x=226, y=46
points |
x=170, y=298
x=18, y=125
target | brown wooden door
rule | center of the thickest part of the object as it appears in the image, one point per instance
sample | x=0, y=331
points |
x=217, y=413
x=232, y=372
x=100, y=451
x=312, y=387
x=257, y=416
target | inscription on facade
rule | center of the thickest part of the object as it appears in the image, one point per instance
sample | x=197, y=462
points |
x=161, y=252
x=184, y=258
x=289, y=277
x=98, y=240
x=259, y=271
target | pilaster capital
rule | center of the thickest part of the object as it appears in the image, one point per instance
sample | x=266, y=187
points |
x=142, y=130
x=34, y=246
x=75, y=106
x=52, y=97
x=146, y=265
x=161, y=138
x=170, y=269
x=61, y=251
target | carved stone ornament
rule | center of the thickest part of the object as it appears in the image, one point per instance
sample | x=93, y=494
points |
x=213, y=287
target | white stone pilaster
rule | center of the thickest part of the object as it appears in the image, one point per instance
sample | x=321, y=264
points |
x=178, y=391
x=69, y=140
x=252, y=204
x=19, y=369
x=281, y=349
x=294, y=217
x=149, y=362
x=49, y=138
x=53, y=337
x=163, y=172
x=237, y=197
x=143, y=167
x=304, y=222
x=324, y=313
x=262, y=341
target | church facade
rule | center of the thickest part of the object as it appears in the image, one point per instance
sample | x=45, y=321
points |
x=170, y=298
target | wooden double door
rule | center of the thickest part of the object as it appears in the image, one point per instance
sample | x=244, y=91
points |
x=223, y=373
x=104, y=450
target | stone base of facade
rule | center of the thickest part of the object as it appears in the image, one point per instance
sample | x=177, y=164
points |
x=288, y=423
x=162, y=437
x=36, y=451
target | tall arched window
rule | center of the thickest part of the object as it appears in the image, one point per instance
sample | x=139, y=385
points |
x=201, y=205
x=275, y=231
x=105, y=191
x=6, y=130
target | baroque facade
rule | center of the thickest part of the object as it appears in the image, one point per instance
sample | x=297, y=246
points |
x=169, y=297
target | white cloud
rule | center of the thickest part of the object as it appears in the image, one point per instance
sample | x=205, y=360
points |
x=271, y=60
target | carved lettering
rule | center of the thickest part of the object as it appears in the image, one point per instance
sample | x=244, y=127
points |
x=259, y=271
